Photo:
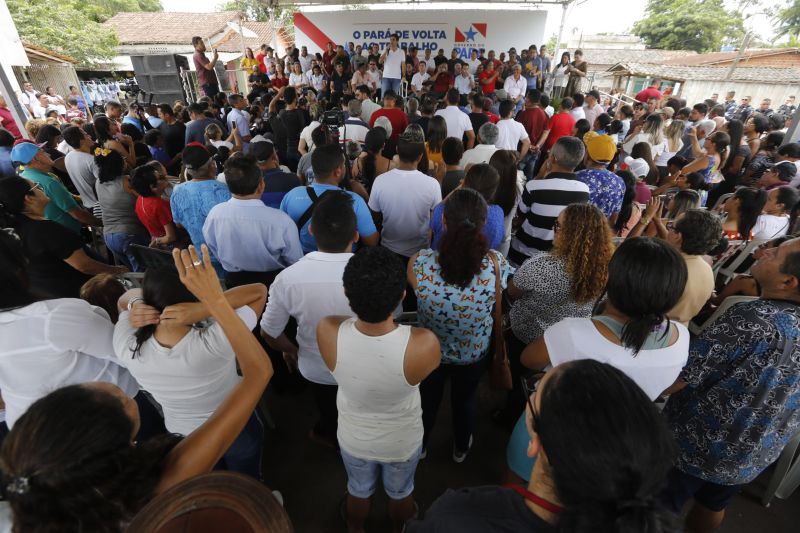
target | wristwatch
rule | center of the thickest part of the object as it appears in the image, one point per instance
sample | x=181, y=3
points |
x=133, y=301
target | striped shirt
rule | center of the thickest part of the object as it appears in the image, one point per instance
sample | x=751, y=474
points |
x=540, y=205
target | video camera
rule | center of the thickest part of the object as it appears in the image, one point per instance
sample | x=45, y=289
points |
x=333, y=118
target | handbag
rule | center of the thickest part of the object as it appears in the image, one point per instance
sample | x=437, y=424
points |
x=500, y=372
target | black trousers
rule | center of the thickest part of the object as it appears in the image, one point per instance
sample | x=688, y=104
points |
x=237, y=279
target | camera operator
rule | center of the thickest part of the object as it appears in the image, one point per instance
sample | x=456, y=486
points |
x=353, y=129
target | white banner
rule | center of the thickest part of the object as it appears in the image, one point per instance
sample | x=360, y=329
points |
x=464, y=30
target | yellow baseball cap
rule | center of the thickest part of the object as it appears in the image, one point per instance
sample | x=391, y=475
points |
x=601, y=148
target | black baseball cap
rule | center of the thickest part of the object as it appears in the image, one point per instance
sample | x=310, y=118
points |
x=195, y=155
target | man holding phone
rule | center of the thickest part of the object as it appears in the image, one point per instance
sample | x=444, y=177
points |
x=206, y=77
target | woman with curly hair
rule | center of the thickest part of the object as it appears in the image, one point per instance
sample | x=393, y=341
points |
x=560, y=283
x=455, y=288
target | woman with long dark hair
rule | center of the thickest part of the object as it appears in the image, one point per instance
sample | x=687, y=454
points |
x=71, y=463
x=46, y=343
x=121, y=226
x=434, y=137
x=630, y=213
x=58, y=263
x=560, y=75
x=604, y=453
x=629, y=329
x=779, y=213
x=764, y=158
x=371, y=163
x=153, y=210
x=509, y=190
x=455, y=289
x=712, y=157
x=736, y=163
x=482, y=178
x=743, y=210
x=643, y=150
x=108, y=136
x=189, y=369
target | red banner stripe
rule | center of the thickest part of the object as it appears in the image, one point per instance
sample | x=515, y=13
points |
x=319, y=38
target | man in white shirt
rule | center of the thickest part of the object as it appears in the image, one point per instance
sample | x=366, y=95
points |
x=458, y=123
x=239, y=117
x=393, y=60
x=310, y=290
x=374, y=77
x=354, y=129
x=305, y=59
x=29, y=97
x=404, y=197
x=515, y=86
x=592, y=108
x=512, y=134
x=419, y=78
x=473, y=62
x=464, y=82
x=487, y=137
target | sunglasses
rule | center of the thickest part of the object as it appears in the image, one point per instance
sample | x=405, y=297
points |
x=529, y=386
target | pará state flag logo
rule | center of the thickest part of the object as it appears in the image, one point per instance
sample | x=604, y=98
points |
x=476, y=31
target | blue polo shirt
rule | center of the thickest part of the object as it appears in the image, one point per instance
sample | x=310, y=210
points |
x=297, y=201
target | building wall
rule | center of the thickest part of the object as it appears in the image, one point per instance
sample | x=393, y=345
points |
x=697, y=91
x=43, y=74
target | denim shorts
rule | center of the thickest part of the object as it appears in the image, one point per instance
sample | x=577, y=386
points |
x=362, y=476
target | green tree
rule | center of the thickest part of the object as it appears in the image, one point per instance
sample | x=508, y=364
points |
x=72, y=27
x=700, y=25
x=787, y=21
x=258, y=10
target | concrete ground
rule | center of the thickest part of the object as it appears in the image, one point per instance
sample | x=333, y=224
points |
x=313, y=482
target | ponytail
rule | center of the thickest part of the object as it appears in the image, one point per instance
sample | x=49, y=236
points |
x=463, y=246
x=636, y=331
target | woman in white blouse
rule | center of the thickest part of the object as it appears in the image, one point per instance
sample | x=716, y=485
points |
x=779, y=213
x=650, y=133
x=297, y=79
x=317, y=79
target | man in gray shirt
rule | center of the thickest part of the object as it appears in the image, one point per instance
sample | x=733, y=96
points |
x=196, y=128
x=80, y=164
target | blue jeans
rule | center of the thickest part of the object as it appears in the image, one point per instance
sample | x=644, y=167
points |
x=362, y=476
x=120, y=243
x=528, y=164
x=244, y=455
x=390, y=83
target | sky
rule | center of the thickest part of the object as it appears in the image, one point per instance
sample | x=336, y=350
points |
x=587, y=16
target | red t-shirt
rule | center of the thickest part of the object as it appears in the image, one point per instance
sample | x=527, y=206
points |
x=489, y=87
x=277, y=82
x=534, y=120
x=327, y=62
x=560, y=125
x=7, y=121
x=396, y=116
x=645, y=94
x=443, y=83
x=260, y=56
x=154, y=213
x=494, y=119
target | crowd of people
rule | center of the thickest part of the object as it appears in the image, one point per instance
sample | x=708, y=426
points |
x=162, y=265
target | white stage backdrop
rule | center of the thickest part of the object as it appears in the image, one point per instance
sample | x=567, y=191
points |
x=461, y=29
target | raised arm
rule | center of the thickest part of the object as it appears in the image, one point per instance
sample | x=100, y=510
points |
x=202, y=449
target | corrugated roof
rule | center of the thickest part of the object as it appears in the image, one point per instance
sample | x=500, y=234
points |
x=35, y=48
x=727, y=57
x=231, y=42
x=167, y=28
x=598, y=57
x=769, y=75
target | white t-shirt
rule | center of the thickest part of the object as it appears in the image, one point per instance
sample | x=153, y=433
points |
x=418, y=79
x=770, y=226
x=226, y=144
x=296, y=80
x=511, y=133
x=463, y=84
x=473, y=64
x=515, y=88
x=592, y=113
x=309, y=290
x=392, y=65
x=577, y=113
x=653, y=370
x=189, y=380
x=306, y=134
x=54, y=343
x=405, y=198
x=457, y=121
x=480, y=154
x=305, y=62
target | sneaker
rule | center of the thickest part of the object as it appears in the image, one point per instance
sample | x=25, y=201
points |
x=458, y=455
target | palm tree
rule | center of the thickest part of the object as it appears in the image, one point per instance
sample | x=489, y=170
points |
x=788, y=21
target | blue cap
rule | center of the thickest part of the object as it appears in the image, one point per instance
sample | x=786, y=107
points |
x=24, y=152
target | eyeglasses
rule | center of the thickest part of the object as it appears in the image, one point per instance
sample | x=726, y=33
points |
x=529, y=386
x=35, y=186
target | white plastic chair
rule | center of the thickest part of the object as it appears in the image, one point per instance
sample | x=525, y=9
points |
x=786, y=478
x=726, y=304
x=722, y=199
x=726, y=269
